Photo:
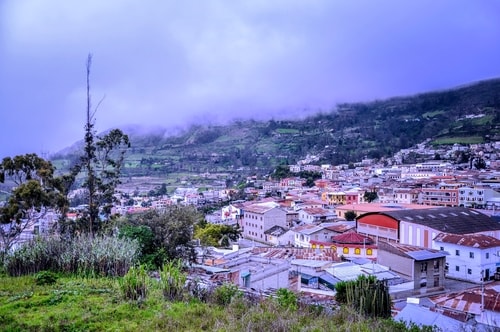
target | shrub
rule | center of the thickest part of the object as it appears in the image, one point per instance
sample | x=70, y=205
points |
x=287, y=299
x=172, y=280
x=223, y=295
x=103, y=256
x=45, y=278
x=134, y=285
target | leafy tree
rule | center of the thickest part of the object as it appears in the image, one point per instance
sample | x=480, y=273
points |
x=350, y=215
x=309, y=183
x=281, y=171
x=36, y=193
x=370, y=196
x=172, y=231
x=217, y=235
x=479, y=163
x=144, y=236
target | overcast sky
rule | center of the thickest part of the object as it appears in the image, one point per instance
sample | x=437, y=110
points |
x=172, y=62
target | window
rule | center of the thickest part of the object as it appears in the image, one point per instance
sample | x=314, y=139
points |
x=457, y=252
x=423, y=267
x=345, y=250
x=469, y=271
x=369, y=251
x=471, y=254
x=457, y=268
x=441, y=248
x=487, y=255
x=357, y=251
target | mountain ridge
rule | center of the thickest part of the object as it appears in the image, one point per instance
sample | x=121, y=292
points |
x=347, y=133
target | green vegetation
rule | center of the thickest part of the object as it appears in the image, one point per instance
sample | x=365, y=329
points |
x=367, y=295
x=162, y=236
x=85, y=255
x=97, y=304
x=346, y=134
x=216, y=235
x=458, y=140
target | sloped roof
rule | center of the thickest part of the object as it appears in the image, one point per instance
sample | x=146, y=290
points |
x=261, y=207
x=351, y=238
x=469, y=300
x=342, y=226
x=414, y=252
x=276, y=231
x=480, y=241
x=453, y=220
x=317, y=211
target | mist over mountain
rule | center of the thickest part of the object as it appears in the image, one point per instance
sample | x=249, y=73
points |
x=347, y=133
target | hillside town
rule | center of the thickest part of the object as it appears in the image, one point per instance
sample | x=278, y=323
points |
x=431, y=229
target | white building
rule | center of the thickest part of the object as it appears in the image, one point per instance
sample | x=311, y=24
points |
x=260, y=217
x=471, y=256
x=475, y=197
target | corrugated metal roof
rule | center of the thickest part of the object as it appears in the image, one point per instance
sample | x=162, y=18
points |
x=457, y=220
x=469, y=240
x=414, y=252
x=351, y=238
x=469, y=300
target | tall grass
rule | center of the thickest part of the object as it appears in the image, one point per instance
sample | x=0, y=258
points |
x=135, y=284
x=84, y=255
x=173, y=280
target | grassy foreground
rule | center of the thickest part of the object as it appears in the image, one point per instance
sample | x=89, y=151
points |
x=96, y=304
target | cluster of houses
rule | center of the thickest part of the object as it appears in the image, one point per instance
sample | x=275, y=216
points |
x=429, y=223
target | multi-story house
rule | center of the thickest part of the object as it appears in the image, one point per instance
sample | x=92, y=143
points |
x=471, y=257
x=308, y=233
x=258, y=218
x=442, y=194
x=398, y=195
x=311, y=215
x=291, y=183
x=334, y=197
x=426, y=267
x=475, y=197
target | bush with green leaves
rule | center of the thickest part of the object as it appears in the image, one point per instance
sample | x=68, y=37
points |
x=135, y=284
x=45, y=278
x=287, y=299
x=223, y=294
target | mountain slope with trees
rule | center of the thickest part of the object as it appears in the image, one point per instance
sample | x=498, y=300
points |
x=348, y=133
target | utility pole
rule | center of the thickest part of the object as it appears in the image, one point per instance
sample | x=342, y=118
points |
x=482, y=293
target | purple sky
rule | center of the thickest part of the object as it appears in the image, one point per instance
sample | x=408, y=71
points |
x=171, y=63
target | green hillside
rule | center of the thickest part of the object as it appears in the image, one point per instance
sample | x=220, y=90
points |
x=347, y=133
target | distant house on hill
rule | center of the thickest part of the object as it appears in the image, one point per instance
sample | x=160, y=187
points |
x=420, y=227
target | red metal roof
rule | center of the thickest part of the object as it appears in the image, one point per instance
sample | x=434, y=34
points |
x=352, y=238
x=481, y=241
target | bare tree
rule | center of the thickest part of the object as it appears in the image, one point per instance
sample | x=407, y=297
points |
x=101, y=162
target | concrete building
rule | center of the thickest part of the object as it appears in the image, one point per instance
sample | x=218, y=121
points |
x=426, y=267
x=260, y=217
x=472, y=257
